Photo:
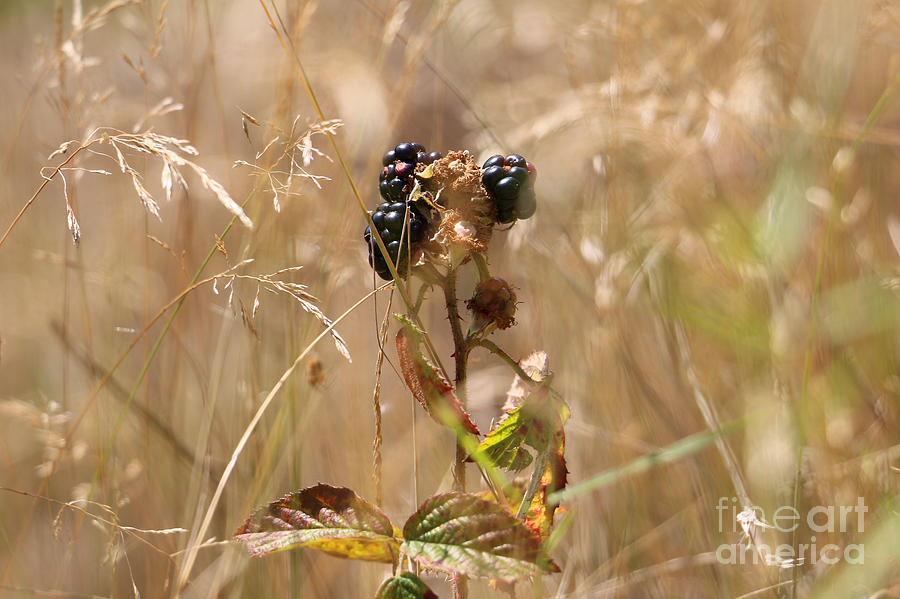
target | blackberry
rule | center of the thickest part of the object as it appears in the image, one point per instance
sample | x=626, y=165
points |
x=396, y=178
x=506, y=189
x=428, y=157
x=494, y=161
x=516, y=160
x=395, y=184
x=491, y=175
x=389, y=219
x=509, y=180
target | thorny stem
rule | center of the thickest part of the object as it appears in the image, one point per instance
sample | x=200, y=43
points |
x=461, y=357
x=494, y=349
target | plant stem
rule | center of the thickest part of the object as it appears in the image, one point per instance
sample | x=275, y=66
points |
x=512, y=362
x=461, y=357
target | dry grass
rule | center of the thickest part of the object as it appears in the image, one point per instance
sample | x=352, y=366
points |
x=717, y=240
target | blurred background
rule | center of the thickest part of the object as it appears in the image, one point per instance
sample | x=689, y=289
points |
x=716, y=241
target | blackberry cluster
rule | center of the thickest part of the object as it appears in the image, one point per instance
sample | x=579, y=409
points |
x=509, y=180
x=390, y=218
x=399, y=222
x=396, y=179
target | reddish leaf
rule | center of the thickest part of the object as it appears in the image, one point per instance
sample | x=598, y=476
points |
x=463, y=534
x=540, y=513
x=331, y=519
x=428, y=385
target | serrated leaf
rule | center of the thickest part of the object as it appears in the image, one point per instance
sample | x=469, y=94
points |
x=504, y=445
x=405, y=586
x=535, y=416
x=540, y=513
x=461, y=533
x=428, y=385
x=331, y=519
x=537, y=422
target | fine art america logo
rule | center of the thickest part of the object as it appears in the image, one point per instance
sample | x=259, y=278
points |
x=828, y=519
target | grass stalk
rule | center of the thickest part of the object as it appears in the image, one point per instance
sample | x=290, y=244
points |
x=198, y=535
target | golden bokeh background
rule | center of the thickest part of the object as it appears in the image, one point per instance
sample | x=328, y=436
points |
x=717, y=241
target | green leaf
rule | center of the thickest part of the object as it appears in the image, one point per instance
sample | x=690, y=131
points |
x=504, y=444
x=428, y=385
x=331, y=519
x=405, y=586
x=537, y=422
x=461, y=533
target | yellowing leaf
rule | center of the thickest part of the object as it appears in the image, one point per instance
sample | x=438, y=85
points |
x=535, y=416
x=331, y=519
x=540, y=512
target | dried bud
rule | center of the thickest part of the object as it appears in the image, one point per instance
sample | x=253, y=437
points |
x=315, y=373
x=494, y=302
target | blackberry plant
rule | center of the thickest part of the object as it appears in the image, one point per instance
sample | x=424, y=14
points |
x=438, y=214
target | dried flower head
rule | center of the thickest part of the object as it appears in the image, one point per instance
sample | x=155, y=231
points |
x=466, y=213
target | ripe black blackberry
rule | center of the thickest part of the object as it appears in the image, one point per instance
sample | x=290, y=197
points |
x=401, y=226
x=509, y=180
x=396, y=179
